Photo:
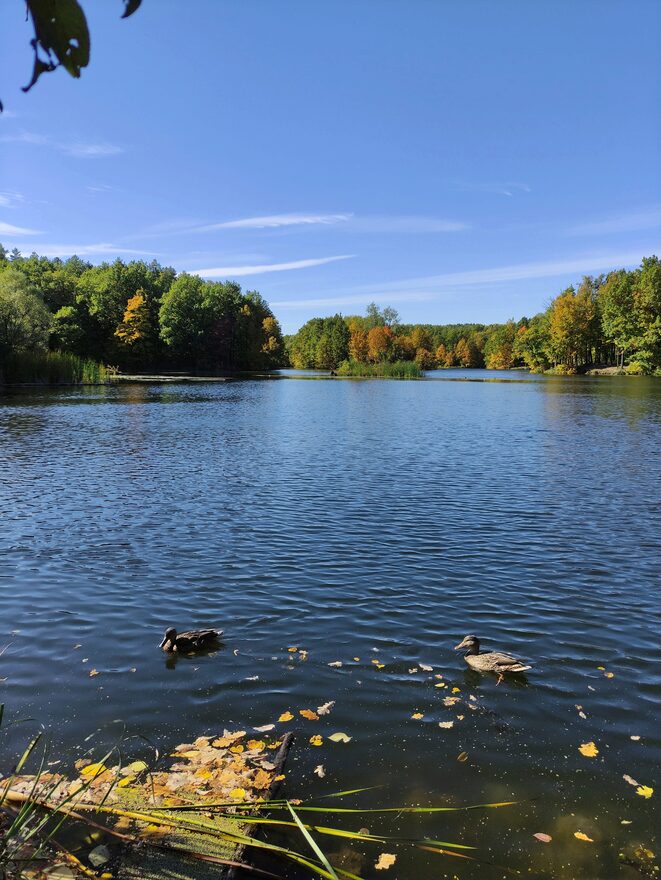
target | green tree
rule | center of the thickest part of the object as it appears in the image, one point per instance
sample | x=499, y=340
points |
x=24, y=319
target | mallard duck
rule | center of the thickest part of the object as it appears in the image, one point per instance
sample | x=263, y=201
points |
x=491, y=661
x=192, y=640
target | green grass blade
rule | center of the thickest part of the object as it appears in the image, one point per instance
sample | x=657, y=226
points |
x=306, y=834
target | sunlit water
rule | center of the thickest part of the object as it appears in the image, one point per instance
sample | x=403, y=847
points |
x=355, y=519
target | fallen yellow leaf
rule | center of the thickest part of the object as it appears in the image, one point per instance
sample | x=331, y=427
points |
x=286, y=716
x=255, y=744
x=238, y=794
x=385, y=860
x=645, y=791
x=309, y=714
x=417, y=716
x=93, y=672
x=588, y=750
x=339, y=738
x=316, y=740
x=292, y=650
x=93, y=770
x=580, y=836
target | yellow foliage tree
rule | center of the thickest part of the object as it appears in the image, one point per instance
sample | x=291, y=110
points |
x=136, y=323
x=358, y=347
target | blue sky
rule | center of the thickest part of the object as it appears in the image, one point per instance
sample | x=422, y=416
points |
x=460, y=161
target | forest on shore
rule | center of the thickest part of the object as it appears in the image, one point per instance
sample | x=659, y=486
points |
x=66, y=320
x=609, y=320
x=69, y=320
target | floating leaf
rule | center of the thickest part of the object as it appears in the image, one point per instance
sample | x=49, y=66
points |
x=325, y=709
x=292, y=650
x=336, y=663
x=279, y=778
x=588, y=750
x=93, y=770
x=450, y=701
x=634, y=738
x=319, y=771
x=446, y=724
x=609, y=675
x=385, y=861
x=545, y=838
x=463, y=756
x=426, y=668
x=630, y=780
x=137, y=767
x=456, y=690
x=645, y=791
x=339, y=737
x=417, y=716
x=255, y=744
x=286, y=716
x=580, y=836
x=309, y=714
x=316, y=740
x=93, y=672
x=264, y=728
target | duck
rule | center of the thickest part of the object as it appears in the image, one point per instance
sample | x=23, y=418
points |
x=491, y=661
x=191, y=640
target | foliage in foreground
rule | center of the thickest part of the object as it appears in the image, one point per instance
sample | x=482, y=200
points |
x=165, y=811
x=384, y=370
x=51, y=368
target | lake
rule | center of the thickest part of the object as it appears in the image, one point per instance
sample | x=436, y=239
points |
x=360, y=521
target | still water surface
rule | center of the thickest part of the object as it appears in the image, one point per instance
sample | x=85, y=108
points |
x=356, y=519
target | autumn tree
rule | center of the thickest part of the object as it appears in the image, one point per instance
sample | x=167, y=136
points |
x=358, y=347
x=379, y=344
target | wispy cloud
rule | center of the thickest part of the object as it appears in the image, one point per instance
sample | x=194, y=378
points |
x=275, y=221
x=648, y=218
x=81, y=250
x=238, y=271
x=515, y=272
x=348, y=222
x=406, y=223
x=10, y=229
x=500, y=189
x=10, y=199
x=352, y=299
x=98, y=187
x=78, y=149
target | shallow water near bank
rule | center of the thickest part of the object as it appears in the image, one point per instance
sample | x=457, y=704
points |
x=368, y=519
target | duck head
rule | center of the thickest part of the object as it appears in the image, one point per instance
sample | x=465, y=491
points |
x=471, y=644
x=170, y=636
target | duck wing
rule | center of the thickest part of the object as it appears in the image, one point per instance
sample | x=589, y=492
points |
x=194, y=638
x=505, y=662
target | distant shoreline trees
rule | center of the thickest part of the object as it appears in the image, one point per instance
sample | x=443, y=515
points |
x=612, y=320
x=134, y=316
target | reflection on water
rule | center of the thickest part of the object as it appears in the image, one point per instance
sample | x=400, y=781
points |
x=359, y=520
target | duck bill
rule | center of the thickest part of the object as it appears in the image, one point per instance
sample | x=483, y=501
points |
x=162, y=645
x=461, y=645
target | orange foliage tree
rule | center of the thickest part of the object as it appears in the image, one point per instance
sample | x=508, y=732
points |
x=379, y=344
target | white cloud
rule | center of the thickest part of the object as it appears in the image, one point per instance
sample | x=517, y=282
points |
x=499, y=189
x=78, y=149
x=648, y=218
x=348, y=300
x=10, y=199
x=407, y=223
x=98, y=187
x=515, y=272
x=81, y=250
x=10, y=229
x=275, y=221
x=90, y=151
x=237, y=271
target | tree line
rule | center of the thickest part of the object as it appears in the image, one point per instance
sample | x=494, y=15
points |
x=609, y=320
x=134, y=316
